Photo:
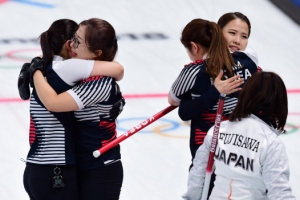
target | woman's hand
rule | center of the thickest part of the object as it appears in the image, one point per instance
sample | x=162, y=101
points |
x=228, y=86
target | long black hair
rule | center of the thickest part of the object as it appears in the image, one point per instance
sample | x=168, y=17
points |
x=53, y=40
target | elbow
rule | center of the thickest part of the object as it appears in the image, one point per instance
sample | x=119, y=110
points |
x=51, y=107
x=187, y=112
x=172, y=102
x=183, y=115
x=121, y=74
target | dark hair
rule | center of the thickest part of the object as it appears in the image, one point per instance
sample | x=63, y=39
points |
x=227, y=17
x=261, y=96
x=53, y=40
x=100, y=35
x=209, y=36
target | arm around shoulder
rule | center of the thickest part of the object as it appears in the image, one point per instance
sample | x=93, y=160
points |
x=112, y=69
x=190, y=108
x=51, y=100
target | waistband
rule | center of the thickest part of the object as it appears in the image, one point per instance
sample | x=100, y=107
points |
x=50, y=166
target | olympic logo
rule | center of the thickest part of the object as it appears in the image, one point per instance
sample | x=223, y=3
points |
x=171, y=128
x=163, y=127
x=23, y=55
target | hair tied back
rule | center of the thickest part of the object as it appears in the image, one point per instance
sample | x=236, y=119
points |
x=207, y=26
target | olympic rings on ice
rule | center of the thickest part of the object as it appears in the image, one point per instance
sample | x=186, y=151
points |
x=18, y=54
x=293, y=128
x=158, y=130
x=171, y=125
x=174, y=124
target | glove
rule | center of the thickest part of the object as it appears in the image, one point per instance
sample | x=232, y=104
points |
x=117, y=107
x=36, y=64
x=23, y=82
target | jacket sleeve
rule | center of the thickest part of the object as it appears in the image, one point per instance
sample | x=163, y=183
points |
x=73, y=70
x=93, y=90
x=182, y=86
x=197, y=173
x=275, y=172
x=190, y=108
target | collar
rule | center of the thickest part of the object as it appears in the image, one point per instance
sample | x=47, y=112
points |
x=58, y=58
x=271, y=127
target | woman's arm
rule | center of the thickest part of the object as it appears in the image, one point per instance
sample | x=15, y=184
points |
x=74, y=70
x=63, y=102
x=275, y=172
x=172, y=101
x=190, y=108
x=183, y=85
x=197, y=173
x=112, y=69
x=90, y=91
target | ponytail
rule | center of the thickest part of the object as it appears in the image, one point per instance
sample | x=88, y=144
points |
x=110, y=54
x=46, y=48
x=219, y=56
x=209, y=36
x=53, y=40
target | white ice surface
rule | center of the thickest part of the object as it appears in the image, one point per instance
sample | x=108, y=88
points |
x=155, y=162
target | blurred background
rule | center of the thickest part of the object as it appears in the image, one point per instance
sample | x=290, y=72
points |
x=156, y=159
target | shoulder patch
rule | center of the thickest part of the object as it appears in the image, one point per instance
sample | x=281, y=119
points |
x=199, y=62
x=93, y=78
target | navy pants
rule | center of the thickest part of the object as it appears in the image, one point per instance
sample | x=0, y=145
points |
x=103, y=183
x=38, y=179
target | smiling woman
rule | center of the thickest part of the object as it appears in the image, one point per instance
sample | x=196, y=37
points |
x=199, y=84
x=52, y=149
x=236, y=29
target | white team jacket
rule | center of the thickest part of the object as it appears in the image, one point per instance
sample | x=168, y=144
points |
x=250, y=159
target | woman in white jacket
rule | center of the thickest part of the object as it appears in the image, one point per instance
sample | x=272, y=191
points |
x=250, y=160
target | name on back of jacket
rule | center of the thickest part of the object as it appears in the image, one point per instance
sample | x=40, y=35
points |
x=243, y=72
x=231, y=157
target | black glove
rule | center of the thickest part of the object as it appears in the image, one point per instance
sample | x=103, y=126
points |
x=23, y=82
x=117, y=107
x=36, y=64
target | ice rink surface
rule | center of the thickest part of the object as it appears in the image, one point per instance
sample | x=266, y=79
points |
x=156, y=159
